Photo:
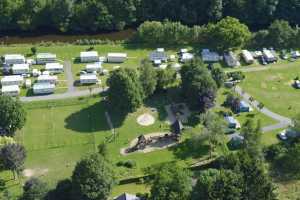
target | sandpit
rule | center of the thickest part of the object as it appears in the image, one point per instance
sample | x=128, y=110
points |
x=28, y=173
x=145, y=120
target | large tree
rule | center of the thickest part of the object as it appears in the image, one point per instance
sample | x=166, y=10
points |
x=148, y=78
x=93, y=178
x=34, y=189
x=12, y=115
x=165, y=78
x=198, y=86
x=218, y=75
x=125, y=90
x=281, y=34
x=171, y=182
x=13, y=158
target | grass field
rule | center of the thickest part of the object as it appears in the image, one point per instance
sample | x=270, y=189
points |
x=274, y=88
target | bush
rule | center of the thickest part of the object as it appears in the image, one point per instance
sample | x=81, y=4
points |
x=128, y=164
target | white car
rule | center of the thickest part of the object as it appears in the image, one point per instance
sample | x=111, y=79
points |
x=282, y=135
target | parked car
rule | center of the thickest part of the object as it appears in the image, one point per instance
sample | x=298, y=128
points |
x=284, y=55
x=282, y=135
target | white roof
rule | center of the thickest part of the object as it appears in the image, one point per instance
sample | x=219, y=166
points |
x=20, y=66
x=53, y=66
x=12, y=78
x=39, y=86
x=46, y=77
x=13, y=57
x=160, y=50
x=247, y=55
x=122, y=55
x=208, y=55
x=88, y=76
x=45, y=55
x=10, y=88
x=187, y=56
x=89, y=54
x=94, y=66
x=268, y=53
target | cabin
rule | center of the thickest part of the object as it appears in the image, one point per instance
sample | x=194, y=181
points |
x=43, y=88
x=210, y=56
x=248, y=57
x=127, y=196
x=231, y=60
x=269, y=56
x=10, y=90
x=54, y=68
x=12, y=80
x=18, y=69
x=95, y=67
x=89, y=56
x=160, y=56
x=244, y=107
x=11, y=59
x=47, y=79
x=232, y=122
x=88, y=79
x=43, y=58
x=185, y=57
x=116, y=57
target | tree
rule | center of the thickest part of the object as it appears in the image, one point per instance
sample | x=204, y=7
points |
x=233, y=102
x=33, y=50
x=34, y=189
x=125, y=90
x=102, y=149
x=171, y=182
x=198, y=86
x=93, y=178
x=13, y=158
x=215, y=184
x=296, y=123
x=215, y=11
x=148, y=78
x=165, y=78
x=281, y=34
x=229, y=33
x=12, y=115
x=218, y=75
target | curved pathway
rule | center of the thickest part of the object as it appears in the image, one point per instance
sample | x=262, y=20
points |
x=283, y=122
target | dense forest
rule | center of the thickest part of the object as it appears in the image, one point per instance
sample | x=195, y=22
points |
x=110, y=15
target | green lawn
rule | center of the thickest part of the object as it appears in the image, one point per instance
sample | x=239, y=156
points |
x=274, y=88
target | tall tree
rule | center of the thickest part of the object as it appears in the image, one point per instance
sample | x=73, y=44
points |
x=281, y=34
x=218, y=75
x=215, y=10
x=171, y=182
x=93, y=178
x=34, y=189
x=165, y=78
x=148, y=78
x=12, y=115
x=13, y=158
x=125, y=90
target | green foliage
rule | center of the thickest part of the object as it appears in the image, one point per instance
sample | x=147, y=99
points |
x=232, y=101
x=102, y=149
x=171, y=182
x=128, y=164
x=34, y=189
x=165, y=78
x=12, y=115
x=236, y=76
x=218, y=75
x=33, y=50
x=125, y=90
x=92, y=178
x=4, y=140
x=281, y=34
x=198, y=86
x=148, y=78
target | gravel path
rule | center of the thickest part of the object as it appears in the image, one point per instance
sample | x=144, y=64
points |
x=69, y=76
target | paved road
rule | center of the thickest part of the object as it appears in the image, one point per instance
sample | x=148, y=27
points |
x=69, y=76
x=283, y=122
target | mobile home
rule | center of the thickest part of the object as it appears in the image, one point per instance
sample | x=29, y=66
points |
x=54, y=68
x=116, y=57
x=269, y=56
x=88, y=79
x=10, y=90
x=43, y=88
x=210, y=56
x=231, y=60
x=95, y=67
x=11, y=59
x=20, y=69
x=12, y=80
x=158, y=56
x=47, y=79
x=247, y=56
x=43, y=58
x=89, y=56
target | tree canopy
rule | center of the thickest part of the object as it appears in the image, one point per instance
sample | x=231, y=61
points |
x=148, y=78
x=34, y=189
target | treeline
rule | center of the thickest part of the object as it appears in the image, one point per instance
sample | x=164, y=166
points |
x=109, y=15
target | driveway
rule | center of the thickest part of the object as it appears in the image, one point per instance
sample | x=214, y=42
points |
x=69, y=76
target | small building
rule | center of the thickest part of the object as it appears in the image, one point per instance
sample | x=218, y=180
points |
x=185, y=57
x=88, y=79
x=126, y=196
x=11, y=59
x=210, y=56
x=47, y=79
x=54, y=68
x=95, y=67
x=10, y=90
x=43, y=58
x=231, y=60
x=244, y=107
x=43, y=88
x=232, y=122
x=269, y=56
x=18, y=69
x=12, y=80
x=248, y=57
x=158, y=56
x=116, y=57
x=89, y=56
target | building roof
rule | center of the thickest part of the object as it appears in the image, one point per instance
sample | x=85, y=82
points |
x=187, y=56
x=268, y=54
x=10, y=88
x=12, y=78
x=53, y=66
x=156, y=55
x=247, y=55
x=88, y=76
x=97, y=65
x=210, y=56
x=14, y=57
x=89, y=54
x=126, y=196
x=20, y=66
x=40, y=86
x=122, y=55
x=46, y=56
x=231, y=59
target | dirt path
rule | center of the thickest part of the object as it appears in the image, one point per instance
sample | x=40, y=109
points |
x=69, y=76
